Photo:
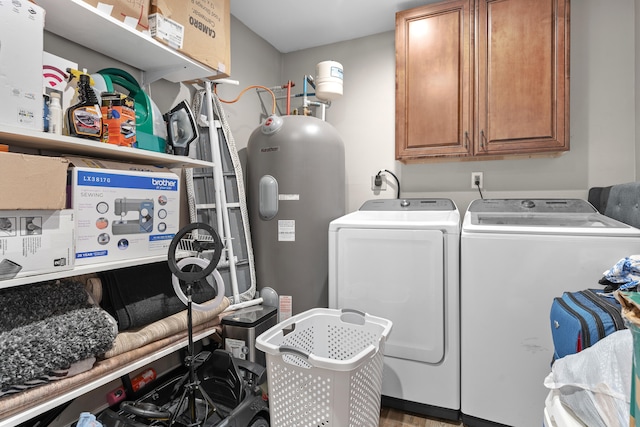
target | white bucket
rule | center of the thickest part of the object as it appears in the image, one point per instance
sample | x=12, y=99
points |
x=329, y=77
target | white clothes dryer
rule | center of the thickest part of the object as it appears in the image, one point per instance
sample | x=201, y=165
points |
x=516, y=256
x=399, y=259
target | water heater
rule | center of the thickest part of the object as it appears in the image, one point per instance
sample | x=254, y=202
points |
x=296, y=187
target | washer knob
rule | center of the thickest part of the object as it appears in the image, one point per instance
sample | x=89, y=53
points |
x=528, y=204
x=404, y=203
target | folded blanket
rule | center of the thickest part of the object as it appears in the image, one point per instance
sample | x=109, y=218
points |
x=140, y=295
x=36, y=350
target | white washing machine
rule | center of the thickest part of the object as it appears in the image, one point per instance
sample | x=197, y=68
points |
x=399, y=259
x=516, y=256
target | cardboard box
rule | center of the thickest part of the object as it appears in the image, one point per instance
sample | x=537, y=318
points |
x=198, y=29
x=21, y=41
x=118, y=119
x=32, y=182
x=134, y=13
x=123, y=211
x=35, y=242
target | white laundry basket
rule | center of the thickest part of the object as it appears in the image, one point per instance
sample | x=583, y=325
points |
x=324, y=368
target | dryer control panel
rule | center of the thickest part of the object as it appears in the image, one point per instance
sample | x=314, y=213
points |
x=408, y=205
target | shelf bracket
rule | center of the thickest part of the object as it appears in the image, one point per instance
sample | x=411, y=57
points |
x=151, y=76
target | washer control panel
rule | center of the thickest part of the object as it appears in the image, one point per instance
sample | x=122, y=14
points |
x=532, y=205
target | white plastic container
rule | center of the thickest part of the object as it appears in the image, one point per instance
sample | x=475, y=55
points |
x=326, y=369
x=55, y=114
x=329, y=80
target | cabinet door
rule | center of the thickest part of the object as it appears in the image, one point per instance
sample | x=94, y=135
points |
x=523, y=80
x=434, y=81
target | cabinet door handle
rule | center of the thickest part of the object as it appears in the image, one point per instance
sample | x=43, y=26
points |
x=466, y=139
x=482, y=138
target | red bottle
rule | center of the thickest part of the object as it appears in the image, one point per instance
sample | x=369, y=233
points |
x=143, y=379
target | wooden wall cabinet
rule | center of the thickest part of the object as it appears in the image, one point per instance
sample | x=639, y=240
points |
x=482, y=79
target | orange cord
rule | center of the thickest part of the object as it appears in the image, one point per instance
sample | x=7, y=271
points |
x=273, y=96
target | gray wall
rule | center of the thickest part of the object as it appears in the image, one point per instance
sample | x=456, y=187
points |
x=637, y=87
x=603, y=116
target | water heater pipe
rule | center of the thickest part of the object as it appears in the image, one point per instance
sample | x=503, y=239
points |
x=221, y=200
x=228, y=81
x=307, y=79
x=288, y=86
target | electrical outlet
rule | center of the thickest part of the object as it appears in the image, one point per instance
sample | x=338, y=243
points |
x=382, y=186
x=476, y=177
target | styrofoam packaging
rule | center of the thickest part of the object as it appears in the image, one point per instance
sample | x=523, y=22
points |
x=123, y=214
x=21, y=38
x=35, y=242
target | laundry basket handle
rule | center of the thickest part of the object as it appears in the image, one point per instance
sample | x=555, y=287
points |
x=351, y=315
x=297, y=351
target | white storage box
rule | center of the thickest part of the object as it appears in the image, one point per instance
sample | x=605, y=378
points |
x=324, y=367
x=21, y=41
x=123, y=211
x=35, y=242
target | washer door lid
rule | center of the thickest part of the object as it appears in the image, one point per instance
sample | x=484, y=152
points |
x=396, y=274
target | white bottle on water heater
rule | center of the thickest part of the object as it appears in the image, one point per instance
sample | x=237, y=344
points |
x=55, y=114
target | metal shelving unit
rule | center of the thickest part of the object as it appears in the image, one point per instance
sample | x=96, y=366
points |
x=58, y=400
x=80, y=22
x=80, y=270
x=78, y=146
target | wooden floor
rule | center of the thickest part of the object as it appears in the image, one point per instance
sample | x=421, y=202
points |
x=395, y=418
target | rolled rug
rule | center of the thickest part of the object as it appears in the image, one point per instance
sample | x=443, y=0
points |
x=40, y=348
x=22, y=305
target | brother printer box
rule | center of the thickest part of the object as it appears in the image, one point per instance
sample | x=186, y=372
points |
x=123, y=211
x=35, y=242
